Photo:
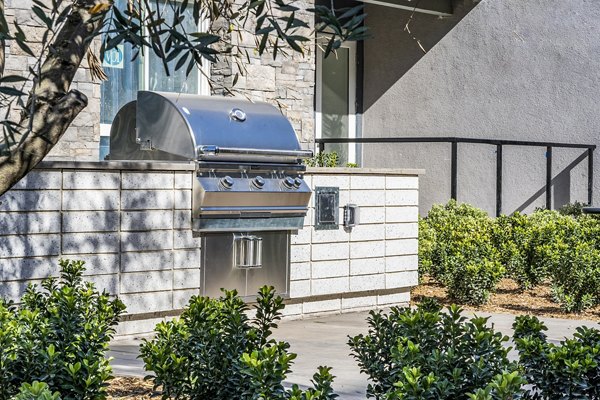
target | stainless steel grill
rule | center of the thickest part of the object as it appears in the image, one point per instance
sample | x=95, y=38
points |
x=249, y=194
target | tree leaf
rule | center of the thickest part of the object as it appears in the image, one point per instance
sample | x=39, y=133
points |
x=42, y=16
x=10, y=91
x=12, y=78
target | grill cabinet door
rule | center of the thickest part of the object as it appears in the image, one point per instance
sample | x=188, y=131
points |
x=221, y=268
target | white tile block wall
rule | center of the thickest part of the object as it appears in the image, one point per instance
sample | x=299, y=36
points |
x=90, y=200
x=181, y=298
x=330, y=269
x=90, y=243
x=146, y=261
x=401, y=182
x=147, y=199
x=395, y=280
x=367, y=249
x=373, y=265
x=90, y=221
x=300, y=271
x=133, y=228
x=147, y=180
x=29, y=245
x=30, y=223
x=363, y=283
x=25, y=200
x=146, y=220
x=27, y=268
x=183, y=180
x=146, y=240
x=402, y=197
x=93, y=180
x=140, y=303
x=40, y=179
x=401, y=214
x=330, y=251
x=147, y=281
x=367, y=266
x=321, y=287
x=124, y=224
x=186, y=278
x=369, y=182
x=187, y=258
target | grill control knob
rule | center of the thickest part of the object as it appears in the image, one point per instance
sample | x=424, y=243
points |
x=297, y=183
x=226, y=182
x=259, y=182
x=289, y=182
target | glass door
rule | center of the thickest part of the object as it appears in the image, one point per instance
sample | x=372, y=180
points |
x=336, y=100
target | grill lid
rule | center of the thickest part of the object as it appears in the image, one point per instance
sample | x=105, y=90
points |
x=209, y=128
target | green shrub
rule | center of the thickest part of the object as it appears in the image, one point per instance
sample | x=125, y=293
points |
x=527, y=244
x=426, y=247
x=323, y=159
x=569, y=370
x=429, y=354
x=458, y=250
x=468, y=252
x=560, y=249
x=572, y=209
x=59, y=336
x=575, y=270
x=36, y=391
x=215, y=351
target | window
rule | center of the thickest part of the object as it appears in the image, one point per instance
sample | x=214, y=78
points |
x=104, y=146
x=126, y=77
x=336, y=98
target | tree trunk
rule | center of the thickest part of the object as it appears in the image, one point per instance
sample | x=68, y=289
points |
x=2, y=43
x=51, y=107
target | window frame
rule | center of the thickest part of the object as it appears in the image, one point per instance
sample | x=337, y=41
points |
x=203, y=76
x=352, y=95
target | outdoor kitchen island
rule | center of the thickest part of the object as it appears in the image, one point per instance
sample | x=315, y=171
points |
x=131, y=223
x=203, y=193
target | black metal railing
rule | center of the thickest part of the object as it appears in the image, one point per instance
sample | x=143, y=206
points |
x=454, y=141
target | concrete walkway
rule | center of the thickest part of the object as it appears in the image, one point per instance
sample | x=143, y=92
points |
x=322, y=341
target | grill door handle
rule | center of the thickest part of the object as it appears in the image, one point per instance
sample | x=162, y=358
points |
x=216, y=150
x=247, y=251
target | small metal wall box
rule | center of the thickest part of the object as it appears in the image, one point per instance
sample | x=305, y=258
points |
x=351, y=215
x=327, y=204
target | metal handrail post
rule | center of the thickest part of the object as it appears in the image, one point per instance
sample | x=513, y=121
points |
x=590, y=176
x=454, y=170
x=498, y=180
x=549, y=177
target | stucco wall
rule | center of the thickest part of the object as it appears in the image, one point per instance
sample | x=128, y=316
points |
x=507, y=69
x=132, y=226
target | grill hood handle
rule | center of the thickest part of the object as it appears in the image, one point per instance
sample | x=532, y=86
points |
x=210, y=150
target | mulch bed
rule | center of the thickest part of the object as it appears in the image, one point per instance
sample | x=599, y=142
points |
x=508, y=299
x=123, y=387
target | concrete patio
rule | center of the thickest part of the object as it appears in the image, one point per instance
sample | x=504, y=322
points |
x=322, y=341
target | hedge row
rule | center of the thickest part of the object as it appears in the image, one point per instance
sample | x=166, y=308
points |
x=469, y=252
x=430, y=354
x=53, y=346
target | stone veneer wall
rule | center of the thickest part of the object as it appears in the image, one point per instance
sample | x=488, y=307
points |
x=82, y=139
x=131, y=223
x=287, y=82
